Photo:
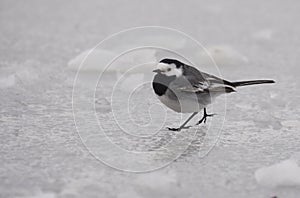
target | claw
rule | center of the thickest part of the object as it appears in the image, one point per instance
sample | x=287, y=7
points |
x=183, y=125
x=173, y=129
x=178, y=129
x=204, y=118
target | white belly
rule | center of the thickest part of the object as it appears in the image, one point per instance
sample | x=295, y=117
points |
x=184, y=106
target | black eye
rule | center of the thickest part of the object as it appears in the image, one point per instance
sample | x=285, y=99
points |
x=169, y=69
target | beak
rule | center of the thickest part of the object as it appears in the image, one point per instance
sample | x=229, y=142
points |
x=156, y=71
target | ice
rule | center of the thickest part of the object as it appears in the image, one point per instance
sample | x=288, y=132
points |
x=41, y=152
x=285, y=173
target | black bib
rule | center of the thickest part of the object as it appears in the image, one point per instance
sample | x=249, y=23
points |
x=161, y=82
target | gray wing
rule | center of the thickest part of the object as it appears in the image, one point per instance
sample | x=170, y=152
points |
x=198, y=82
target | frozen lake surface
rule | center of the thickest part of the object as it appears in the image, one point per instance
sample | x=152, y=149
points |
x=41, y=153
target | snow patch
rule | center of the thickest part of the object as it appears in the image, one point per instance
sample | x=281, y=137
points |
x=291, y=123
x=7, y=81
x=214, y=9
x=105, y=60
x=26, y=73
x=265, y=34
x=223, y=55
x=42, y=195
x=91, y=60
x=115, y=61
x=285, y=173
x=157, y=183
x=128, y=194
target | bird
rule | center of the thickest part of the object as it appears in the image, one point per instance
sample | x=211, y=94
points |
x=185, y=89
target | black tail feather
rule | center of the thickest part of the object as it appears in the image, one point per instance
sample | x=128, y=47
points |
x=251, y=82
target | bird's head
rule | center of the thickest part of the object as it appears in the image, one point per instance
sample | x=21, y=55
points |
x=169, y=67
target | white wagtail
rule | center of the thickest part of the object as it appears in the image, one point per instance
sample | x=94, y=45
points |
x=185, y=89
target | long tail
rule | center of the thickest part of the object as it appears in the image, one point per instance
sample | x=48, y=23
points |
x=251, y=82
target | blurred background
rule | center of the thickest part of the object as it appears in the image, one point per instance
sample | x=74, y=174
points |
x=42, y=44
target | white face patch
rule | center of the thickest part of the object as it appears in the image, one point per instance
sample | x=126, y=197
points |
x=169, y=69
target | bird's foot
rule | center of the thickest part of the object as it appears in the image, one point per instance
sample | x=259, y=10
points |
x=203, y=119
x=178, y=129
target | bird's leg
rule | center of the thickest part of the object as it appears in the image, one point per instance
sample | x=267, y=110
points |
x=183, y=125
x=205, y=115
